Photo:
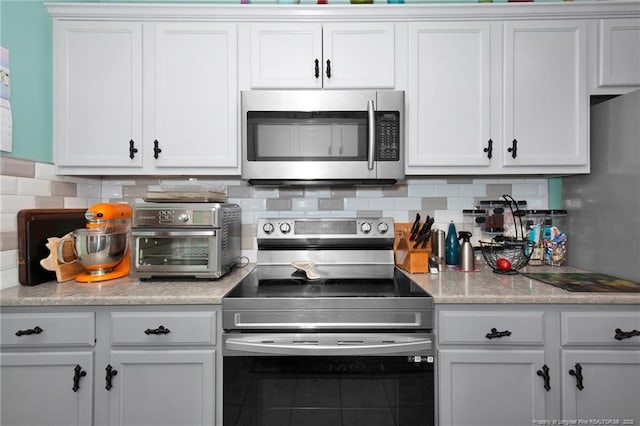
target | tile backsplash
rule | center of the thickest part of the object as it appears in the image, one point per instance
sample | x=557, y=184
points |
x=26, y=184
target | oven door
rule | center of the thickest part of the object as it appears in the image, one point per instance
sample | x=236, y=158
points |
x=305, y=379
x=183, y=252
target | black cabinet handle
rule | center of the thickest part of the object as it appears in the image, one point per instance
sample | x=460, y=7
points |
x=159, y=330
x=156, y=149
x=317, y=68
x=514, y=148
x=109, y=377
x=328, y=68
x=132, y=149
x=577, y=373
x=29, y=332
x=78, y=373
x=621, y=335
x=489, y=149
x=544, y=373
x=495, y=334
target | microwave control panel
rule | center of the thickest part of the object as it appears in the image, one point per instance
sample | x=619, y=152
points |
x=387, y=136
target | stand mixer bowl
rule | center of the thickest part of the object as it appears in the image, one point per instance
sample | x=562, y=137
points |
x=100, y=252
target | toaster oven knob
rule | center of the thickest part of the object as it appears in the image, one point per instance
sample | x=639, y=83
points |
x=268, y=228
x=183, y=217
x=383, y=227
x=365, y=227
x=285, y=228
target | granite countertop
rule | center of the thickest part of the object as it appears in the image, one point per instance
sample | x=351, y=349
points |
x=453, y=286
x=125, y=291
x=450, y=286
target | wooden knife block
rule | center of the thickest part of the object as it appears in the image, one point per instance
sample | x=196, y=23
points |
x=406, y=257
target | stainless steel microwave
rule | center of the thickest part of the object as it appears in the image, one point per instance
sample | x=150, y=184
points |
x=322, y=136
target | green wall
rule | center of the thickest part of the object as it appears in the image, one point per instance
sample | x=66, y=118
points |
x=25, y=29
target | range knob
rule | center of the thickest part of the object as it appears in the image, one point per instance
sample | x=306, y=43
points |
x=268, y=228
x=285, y=228
x=365, y=227
x=183, y=217
x=383, y=227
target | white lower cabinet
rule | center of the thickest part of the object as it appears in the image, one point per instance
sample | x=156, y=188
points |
x=46, y=368
x=488, y=364
x=162, y=387
x=538, y=364
x=110, y=366
x=491, y=387
x=49, y=388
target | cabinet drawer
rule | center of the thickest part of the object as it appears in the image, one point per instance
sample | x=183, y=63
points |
x=599, y=328
x=519, y=328
x=163, y=328
x=60, y=329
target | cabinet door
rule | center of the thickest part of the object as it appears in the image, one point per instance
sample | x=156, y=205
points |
x=162, y=388
x=449, y=96
x=286, y=56
x=196, y=97
x=490, y=387
x=97, y=93
x=37, y=389
x=358, y=55
x=611, y=385
x=619, y=52
x=545, y=94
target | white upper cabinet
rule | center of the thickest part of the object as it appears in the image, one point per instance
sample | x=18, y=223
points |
x=98, y=94
x=492, y=97
x=546, y=102
x=314, y=56
x=615, y=69
x=194, y=111
x=449, y=94
x=145, y=98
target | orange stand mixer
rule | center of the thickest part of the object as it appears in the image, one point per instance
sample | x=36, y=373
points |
x=102, y=248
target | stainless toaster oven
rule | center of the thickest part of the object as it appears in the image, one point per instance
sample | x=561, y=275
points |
x=199, y=240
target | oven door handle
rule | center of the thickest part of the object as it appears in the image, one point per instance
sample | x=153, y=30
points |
x=159, y=233
x=339, y=348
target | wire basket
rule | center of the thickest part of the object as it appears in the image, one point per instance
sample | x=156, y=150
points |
x=506, y=257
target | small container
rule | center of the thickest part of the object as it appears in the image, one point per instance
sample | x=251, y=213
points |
x=537, y=217
x=558, y=218
x=494, y=220
x=473, y=221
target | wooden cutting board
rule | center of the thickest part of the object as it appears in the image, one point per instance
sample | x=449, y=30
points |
x=35, y=226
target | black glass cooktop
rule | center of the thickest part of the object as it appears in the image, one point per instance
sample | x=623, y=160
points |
x=341, y=281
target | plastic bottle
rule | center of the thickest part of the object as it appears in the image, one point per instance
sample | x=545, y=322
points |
x=452, y=246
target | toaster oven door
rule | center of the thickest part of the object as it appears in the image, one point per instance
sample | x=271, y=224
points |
x=174, y=253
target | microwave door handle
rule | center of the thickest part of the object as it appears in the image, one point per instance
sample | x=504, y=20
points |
x=371, y=114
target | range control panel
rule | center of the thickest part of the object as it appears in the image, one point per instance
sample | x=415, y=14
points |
x=300, y=228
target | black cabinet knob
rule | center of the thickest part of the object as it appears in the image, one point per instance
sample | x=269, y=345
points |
x=78, y=373
x=577, y=373
x=621, y=335
x=132, y=149
x=495, y=334
x=29, y=332
x=317, y=68
x=514, y=148
x=156, y=149
x=160, y=330
x=489, y=149
x=544, y=373
x=328, y=70
x=111, y=372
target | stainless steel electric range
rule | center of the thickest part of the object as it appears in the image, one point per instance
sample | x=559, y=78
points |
x=341, y=338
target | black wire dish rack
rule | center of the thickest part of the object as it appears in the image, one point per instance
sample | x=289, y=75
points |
x=506, y=255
